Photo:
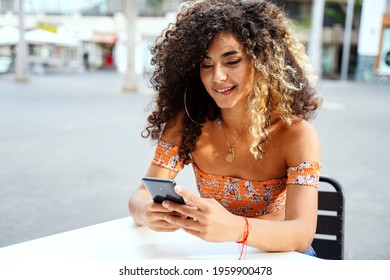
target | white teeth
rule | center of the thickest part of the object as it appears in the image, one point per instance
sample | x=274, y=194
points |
x=224, y=90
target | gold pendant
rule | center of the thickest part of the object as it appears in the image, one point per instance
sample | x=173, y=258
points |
x=230, y=156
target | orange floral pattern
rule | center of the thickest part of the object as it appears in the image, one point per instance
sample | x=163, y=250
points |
x=167, y=156
x=239, y=196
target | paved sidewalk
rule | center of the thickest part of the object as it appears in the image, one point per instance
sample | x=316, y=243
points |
x=71, y=153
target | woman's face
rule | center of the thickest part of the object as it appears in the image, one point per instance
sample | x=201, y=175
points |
x=227, y=72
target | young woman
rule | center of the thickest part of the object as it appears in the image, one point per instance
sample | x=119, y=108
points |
x=234, y=96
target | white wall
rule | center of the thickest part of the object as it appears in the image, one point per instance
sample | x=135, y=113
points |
x=370, y=27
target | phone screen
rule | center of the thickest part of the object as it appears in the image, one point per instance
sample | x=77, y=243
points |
x=162, y=189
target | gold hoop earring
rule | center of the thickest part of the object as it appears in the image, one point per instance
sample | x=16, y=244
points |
x=185, y=107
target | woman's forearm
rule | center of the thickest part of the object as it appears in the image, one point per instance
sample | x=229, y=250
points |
x=136, y=204
x=293, y=235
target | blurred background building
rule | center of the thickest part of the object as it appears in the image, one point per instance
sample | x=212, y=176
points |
x=86, y=35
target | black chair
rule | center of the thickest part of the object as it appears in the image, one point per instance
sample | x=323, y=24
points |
x=329, y=239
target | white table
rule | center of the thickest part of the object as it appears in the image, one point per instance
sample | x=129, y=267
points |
x=122, y=239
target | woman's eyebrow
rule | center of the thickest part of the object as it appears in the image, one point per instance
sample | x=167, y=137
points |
x=226, y=54
x=229, y=53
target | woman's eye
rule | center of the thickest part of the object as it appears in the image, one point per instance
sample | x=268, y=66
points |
x=233, y=62
x=206, y=66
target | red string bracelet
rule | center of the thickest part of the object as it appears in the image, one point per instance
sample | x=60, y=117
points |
x=244, y=239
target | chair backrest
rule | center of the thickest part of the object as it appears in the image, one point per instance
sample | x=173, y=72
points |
x=329, y=239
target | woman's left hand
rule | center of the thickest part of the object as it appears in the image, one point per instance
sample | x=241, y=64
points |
x=209, y=221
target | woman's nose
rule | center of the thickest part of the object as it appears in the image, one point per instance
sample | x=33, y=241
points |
x=219, y=74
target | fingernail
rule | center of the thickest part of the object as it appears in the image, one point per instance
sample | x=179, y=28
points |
x=165, y=203
x=178, y=189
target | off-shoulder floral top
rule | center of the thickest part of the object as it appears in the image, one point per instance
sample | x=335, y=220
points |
x=239, y=196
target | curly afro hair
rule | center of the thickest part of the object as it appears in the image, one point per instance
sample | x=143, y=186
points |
x=283, y=77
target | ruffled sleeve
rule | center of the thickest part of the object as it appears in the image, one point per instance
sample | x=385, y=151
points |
x=307, y=173
x=167, y=156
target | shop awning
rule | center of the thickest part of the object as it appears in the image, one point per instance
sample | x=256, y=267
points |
x=39, y=36
x=9, y=35
x=104, y=38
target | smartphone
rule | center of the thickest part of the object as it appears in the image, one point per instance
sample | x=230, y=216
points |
x=162, y=189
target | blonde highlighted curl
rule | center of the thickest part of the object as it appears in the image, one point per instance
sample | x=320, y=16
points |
x=283, y=77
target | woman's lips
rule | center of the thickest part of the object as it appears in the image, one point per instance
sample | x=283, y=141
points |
x=225, y=90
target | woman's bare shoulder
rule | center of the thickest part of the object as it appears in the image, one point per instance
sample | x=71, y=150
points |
x=299, y=128
x=301, y=143
x=173, y=130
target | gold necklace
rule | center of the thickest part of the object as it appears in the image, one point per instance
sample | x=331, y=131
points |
x=230, y=156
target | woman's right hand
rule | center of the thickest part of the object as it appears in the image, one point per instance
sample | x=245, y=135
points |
x=153, y=216
x=146, y=212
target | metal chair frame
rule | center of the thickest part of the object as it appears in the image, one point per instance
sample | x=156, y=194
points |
x=329, y=239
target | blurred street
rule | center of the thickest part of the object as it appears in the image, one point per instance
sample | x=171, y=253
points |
x=71, y=153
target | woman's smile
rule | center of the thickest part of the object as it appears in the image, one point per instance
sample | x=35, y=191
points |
x=226, y=90
x=227, y=72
